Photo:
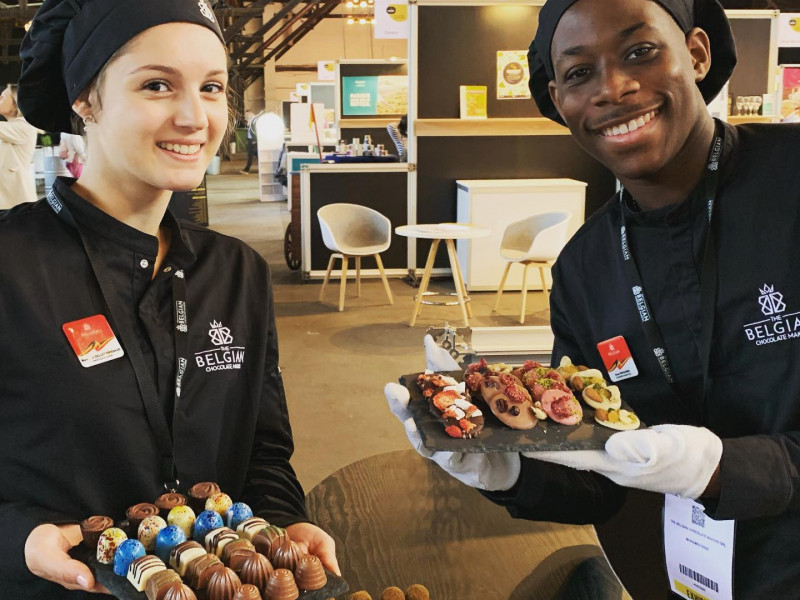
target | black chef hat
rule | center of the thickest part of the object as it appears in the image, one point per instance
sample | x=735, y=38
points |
x=69, y=41
x=708, y=15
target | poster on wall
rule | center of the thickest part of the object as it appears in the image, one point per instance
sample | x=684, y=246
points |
x=512, y=75
x=790, y=98
x=789, y=30
x=391, y=19
x=374, y=95
x=473, y=101
x=326, y=70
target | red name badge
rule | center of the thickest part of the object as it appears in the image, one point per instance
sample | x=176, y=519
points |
x=617, y=359
x=92, y=340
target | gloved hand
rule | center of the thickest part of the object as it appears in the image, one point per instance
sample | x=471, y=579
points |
x=670, y=459
x=484, y=471
x=437, y=358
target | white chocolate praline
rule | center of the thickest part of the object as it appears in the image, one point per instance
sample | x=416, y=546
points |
x=216, y=539
x=183, y=517
x=107, y=545
x=144, y=568
x=250, y=527
x=185, y=557
x=148, y=531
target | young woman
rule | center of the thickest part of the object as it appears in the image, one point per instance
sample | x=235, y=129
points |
x=17, y=143
x=139, y=353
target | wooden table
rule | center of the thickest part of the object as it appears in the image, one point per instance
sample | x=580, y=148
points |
x=438, y=232
x=398, y=519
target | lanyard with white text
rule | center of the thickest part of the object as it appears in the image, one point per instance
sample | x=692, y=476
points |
x=119, y=315
x=708, y=279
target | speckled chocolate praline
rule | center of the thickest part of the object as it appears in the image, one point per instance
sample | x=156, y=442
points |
x=223, y=585
x=138, y=512
x=180, y=592
x=199, y=493
x=287, y=556
x=248, y=592
x=92, y=527
x=310, y=575
x=166, y=502
x=256, y=570
x=159, y=583
x=281, y=586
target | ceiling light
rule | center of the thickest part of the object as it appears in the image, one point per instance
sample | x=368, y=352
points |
x=350, y=21
x=362, y=21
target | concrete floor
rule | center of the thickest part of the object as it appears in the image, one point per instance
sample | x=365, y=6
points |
x=334, y=364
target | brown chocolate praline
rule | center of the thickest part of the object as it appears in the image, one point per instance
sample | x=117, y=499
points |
x=417, y=592
x=287, y=556
x=138, y=512
x=281, y=586
x=256, y=571
x=166, y=502
x=269, y=539
x=360, y=595
x=196, y=569
x=393, y=593
x=199, y=493
x=159, y=583
x=223, y=585
x=232, y=547
x=180, y=591
x=310, y=575
x=238, y=557
x=92, y=527
x=248, y=592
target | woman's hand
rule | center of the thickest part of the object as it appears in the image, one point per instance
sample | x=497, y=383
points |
x=46, y=556
x=312, y=540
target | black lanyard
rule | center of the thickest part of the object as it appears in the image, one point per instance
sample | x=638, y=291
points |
x=121, y=318
x=708, y=278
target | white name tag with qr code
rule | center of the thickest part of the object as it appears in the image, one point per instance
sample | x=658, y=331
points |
x=699, y=551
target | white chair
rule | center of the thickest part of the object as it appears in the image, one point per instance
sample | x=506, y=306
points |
x=533, y=242
x=350, y=230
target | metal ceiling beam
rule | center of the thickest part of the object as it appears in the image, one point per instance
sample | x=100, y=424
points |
x=237, y=26
x=292, y=18
x=299, y=33
x=258, y=53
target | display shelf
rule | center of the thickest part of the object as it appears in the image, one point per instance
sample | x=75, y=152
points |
x=741, y=119
x=367, y=123
x=488, y=127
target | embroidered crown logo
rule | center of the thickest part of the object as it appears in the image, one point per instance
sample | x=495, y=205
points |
x=771, y=301
x=220, y=336
x=205, y=10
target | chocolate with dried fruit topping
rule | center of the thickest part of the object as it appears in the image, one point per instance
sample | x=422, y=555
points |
x=159, y=583
x=91, y=529
x=309, y=574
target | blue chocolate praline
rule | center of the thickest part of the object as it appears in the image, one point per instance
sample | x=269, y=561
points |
x=127, y=552
x=206, y=521
x=238, y=513
x=167, y=539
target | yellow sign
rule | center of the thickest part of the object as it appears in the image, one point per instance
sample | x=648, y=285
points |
x=398, y=12
x=688, y=592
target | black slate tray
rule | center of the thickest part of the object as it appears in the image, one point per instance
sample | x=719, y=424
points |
x=497, y=437
x=121, y=588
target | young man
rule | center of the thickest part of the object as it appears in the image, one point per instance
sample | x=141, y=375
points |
x=692, y=264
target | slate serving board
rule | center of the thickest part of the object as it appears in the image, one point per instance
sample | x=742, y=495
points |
x=121, y=588
x=497, y=437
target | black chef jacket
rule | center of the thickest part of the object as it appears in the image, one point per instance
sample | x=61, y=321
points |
x=75, y=441
x=754, y=403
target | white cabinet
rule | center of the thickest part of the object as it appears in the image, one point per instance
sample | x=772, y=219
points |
x=493, y=204
x=270, y=190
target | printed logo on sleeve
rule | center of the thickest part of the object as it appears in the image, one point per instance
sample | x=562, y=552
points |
x=779, y=325
x=92, y=340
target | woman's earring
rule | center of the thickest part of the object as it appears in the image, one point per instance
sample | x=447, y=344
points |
x=88, y=119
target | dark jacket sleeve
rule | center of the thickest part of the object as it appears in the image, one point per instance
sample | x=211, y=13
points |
x=271, y=487
x=550, y=492
x=17, y=520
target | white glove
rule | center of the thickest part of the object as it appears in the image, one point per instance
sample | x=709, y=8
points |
x=670, y=459
x=492, y=471
x=437, y=358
